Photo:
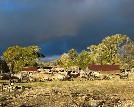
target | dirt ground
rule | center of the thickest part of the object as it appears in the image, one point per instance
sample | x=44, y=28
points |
x=78, y=93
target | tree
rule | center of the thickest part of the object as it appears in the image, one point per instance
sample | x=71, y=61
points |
x=3, y=66
x=69, y=59
x=95, y=54
x=107, y=52
x=22, y=56
x=58, y=62
x=127, y=55
x=65, y=60
x=84, y=59
x=73, y=56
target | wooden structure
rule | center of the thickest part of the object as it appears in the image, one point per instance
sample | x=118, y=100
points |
x=106, y=69
x=29, y=69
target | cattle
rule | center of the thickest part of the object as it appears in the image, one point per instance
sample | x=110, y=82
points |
x=125, y=71
x=34, y=77
x=98, y=76
x=17, y=77
x=73, y=72
x=45, y=70
x=132, y=70
x=57, y=73
x=43, y=76
x=58, y=69
x=60, y=77
x=83, y=74
x=46, y=76
x=123, y=75
x=40, y=70
x=14, y=77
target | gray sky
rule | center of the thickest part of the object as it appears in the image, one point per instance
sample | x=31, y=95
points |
x=59, y=25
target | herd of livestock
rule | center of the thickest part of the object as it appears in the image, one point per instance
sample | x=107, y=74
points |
x=58, y=74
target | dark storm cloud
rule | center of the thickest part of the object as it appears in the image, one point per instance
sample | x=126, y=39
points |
x=59, y=25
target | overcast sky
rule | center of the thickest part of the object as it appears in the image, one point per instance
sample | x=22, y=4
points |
x=60, y=25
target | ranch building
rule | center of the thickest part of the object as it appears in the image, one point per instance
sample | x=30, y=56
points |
x=105, y=69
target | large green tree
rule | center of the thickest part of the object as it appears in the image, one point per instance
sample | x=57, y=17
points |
x=22, y=56
x=73, y=57
x=69, y=59
x=127, y=55
x=107, y=52
x=84, y=59
x=65, y=60
x=58, y=62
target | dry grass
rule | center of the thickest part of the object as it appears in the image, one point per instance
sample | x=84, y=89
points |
x=65, y=92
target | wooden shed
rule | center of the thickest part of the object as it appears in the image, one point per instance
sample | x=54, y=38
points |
x=107, y=69
x=29, y=69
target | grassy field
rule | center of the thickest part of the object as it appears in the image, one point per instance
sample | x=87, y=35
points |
x=79, y=93
x=124, y=88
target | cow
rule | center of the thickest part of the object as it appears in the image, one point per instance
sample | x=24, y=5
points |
x=47, y=76
x=97, y=75
x=132, y=70
x=58, y=76
x=17, y=77
x=41, y=76
x=122, y=75
x=82, y=74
